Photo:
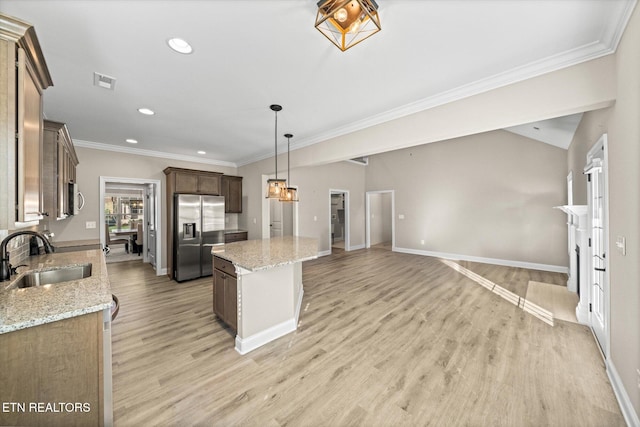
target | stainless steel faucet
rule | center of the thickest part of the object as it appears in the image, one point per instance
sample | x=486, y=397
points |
x=5, y=266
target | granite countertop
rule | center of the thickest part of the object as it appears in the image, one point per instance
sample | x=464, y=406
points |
x=256, y=255
x=24, y=308
x=237, y=230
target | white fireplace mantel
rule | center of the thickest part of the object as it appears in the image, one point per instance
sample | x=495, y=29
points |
x=578, y=236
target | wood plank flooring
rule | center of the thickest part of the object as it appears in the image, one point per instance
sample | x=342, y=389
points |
x=384, y=339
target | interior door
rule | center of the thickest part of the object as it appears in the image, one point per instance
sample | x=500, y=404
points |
x=149, y=247
x=287, y=218
x=598, y=279
x=275, y=212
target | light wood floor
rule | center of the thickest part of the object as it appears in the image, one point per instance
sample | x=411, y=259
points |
x=385, y=339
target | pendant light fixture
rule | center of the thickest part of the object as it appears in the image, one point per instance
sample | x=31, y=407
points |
x=290, y=194
x=347, y=22
x=276, y=186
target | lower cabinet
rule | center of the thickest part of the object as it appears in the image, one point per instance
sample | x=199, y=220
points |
x=225, y=292
x=235, y=236
x=55, y=373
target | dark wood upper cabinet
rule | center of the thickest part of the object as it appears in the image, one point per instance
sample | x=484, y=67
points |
x=194, y=181
x=232, y=192
x=59, y=169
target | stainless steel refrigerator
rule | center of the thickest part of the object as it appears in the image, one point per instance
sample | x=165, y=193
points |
x=199, y=225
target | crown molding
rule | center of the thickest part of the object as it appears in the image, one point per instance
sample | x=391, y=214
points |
x=607, y=45
x=150, y=153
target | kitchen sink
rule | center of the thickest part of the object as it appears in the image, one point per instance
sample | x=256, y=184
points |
x=46, y=277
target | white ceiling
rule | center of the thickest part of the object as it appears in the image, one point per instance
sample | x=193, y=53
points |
x=558, y=131
x=249, y=54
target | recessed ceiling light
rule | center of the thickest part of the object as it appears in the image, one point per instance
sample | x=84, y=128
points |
x=202, y=152
x=131, y=141
x=146, y=111
x=180, y=46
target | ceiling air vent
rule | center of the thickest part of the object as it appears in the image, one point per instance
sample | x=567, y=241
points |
x=102, y=80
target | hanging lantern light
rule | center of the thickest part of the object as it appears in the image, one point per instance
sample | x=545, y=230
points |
x=289, y=194
x=276, y=186
x=347, y=22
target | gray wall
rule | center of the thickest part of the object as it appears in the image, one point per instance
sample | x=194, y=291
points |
x=622, y=124
x=488, y=195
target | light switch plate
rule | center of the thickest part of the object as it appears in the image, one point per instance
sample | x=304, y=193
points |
x=401, y=216
x=621, y=245
x=90, y=224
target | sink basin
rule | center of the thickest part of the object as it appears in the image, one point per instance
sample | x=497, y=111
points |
x=46, y=277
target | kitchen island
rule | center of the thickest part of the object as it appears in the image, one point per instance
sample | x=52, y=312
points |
x=258, y=287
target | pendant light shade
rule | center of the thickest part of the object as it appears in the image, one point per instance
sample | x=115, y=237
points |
x=289, y=194
x=275, y=186
x=347, y=22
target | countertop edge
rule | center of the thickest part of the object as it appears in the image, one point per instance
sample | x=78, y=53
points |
x=53, y=318
x=265, y=267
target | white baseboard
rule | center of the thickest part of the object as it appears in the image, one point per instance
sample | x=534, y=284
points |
x=244, y=346
x=355, y=247
x=630, y=415
x=495, y=261
x=161, y=271
x=324, y=253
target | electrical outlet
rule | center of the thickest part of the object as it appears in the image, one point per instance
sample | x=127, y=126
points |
x=638, y=371
x=401, y=216
x=90, y=224
x=422, y=242
x=315, y=218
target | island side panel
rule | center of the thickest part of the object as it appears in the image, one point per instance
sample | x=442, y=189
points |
x=298, y=290
x=266, y=306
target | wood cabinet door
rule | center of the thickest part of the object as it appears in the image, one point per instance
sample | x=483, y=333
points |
x=231, y=302
x=219, y=293
x=186, y=182
x=209, y=184
x=50, y=172
x=235, y=195
x=30, y=124
x=232, y=192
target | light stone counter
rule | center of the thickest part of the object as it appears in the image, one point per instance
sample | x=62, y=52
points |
x=257, y=255
x=266, y=289
x=24, y=308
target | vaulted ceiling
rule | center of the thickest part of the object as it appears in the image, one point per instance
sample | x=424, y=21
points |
x=249, y=54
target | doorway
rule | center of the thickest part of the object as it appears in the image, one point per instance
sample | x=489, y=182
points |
x=598, y=229
x=339, y=220
x=137, y=200
x=380, y=226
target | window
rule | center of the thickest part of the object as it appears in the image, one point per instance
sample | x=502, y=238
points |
x=123, y=212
